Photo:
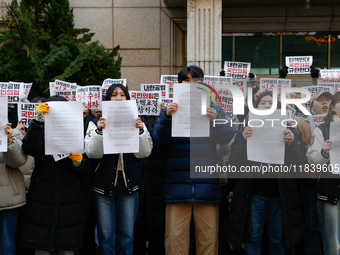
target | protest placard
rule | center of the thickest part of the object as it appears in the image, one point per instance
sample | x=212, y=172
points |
x=330, y=73
x=58, y=86
x=26, y=113
x=108, y=82
x=170, y=80
x=267, y=84
x=70, y=95
x=218, y=81
x=167, y=101
x=163, y=88
x=90, y=96
x=333, y=83
x=3, y=122
x=27, y=88
x=237, y=70
x=242, y=85
x=299, y=64
x=315, y=120
x=12, y=90
x=148, y=103
x=290, y=112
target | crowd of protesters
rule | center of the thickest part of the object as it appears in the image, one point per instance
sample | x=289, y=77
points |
x=147, y=203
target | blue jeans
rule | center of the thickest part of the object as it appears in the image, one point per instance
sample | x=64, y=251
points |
x=8, y=229
x=312, y=238
x=264, y=211
x=329, y=224
x=116, y=216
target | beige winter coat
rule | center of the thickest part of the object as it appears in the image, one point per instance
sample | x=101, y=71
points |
x=12, y=185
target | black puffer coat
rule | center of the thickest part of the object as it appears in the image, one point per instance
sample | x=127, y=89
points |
x=291, y=205
x=154, y=168
x=54, y=214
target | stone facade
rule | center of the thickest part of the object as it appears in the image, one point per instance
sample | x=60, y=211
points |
x=157, y=39
x=151, y=42
x=204, y=34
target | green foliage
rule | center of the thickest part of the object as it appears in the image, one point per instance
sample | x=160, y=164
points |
x=41, y=44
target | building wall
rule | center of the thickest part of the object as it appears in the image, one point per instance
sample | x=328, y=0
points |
x=281, y=18
x=150, y=42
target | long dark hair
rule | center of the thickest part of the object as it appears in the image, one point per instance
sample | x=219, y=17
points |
x=331, y=113
x=112, y=88
x=262, y=95
x=56, y=98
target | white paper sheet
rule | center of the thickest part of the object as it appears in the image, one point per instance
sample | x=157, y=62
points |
x=120, y=134
x=3, y=122
x=188, y=120
x=334, y=154
x=63, y=128
x=267, y=143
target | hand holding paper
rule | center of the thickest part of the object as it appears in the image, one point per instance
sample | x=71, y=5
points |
x=211, y=113
x=247, y=132
x=314, y=73
x=139, y=123
x=289, y=136
x=9, y=131
x=41, y=109
x=172, y=107
x=77, y=157
x=327, y=146
x=101, y=123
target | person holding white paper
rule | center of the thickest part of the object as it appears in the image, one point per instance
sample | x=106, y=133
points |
x=320, y=103
x=54, y=214
x=186, y=197
x=264, y=202
x=12, y=189
x=116, y=182
x=327, y=186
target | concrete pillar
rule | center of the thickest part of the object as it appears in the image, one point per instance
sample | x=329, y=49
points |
x=205, y=35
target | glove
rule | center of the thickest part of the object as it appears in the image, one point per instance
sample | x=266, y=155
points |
x=41, y=109
x=252, y=79
x=314, y=73
x=76, y=159
x=283, y=72
x=251, y=75
x=222, y=73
